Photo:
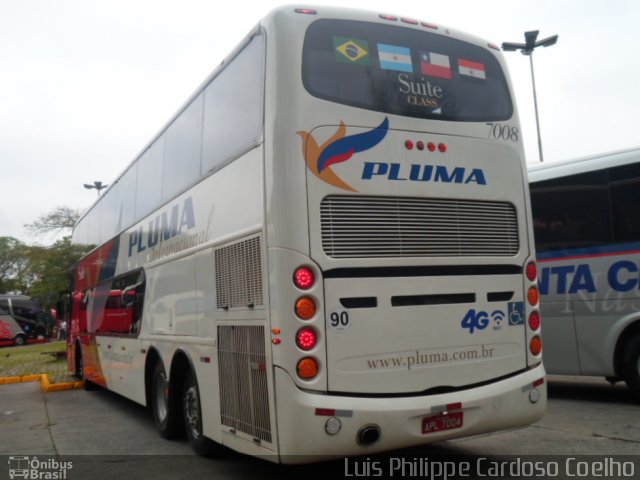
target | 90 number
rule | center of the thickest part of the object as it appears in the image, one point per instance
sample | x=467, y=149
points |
x=339, y=320
x=500, y=131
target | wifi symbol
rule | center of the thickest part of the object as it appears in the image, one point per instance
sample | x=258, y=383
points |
x=498, y=316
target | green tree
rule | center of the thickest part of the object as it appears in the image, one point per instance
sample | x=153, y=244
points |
x=13, y=265
x=60, y=219
x=49, y=267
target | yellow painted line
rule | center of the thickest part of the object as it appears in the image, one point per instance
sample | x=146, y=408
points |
x=45, y=384
x=7, y=380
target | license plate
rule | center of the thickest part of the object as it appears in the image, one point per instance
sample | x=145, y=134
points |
x=442, y=421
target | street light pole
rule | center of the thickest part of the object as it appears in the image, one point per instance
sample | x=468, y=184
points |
x=527, y=48
x=535, y=107
x=97, y=185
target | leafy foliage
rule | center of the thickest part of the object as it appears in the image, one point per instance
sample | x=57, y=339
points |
x=37, y=271
x=58, y=220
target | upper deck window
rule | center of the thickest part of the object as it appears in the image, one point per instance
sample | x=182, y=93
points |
x=403, y=71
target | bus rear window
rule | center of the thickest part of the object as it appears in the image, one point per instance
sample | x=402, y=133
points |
x=403, y=71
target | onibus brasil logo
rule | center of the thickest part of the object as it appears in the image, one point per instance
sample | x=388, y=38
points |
x=339, y=148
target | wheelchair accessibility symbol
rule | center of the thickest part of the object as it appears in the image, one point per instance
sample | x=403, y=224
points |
x=516, y=313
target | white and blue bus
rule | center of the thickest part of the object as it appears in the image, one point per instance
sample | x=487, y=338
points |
x=327, y=252
x=586, y=216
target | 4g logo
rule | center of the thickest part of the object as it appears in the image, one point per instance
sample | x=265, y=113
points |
x=480, y=320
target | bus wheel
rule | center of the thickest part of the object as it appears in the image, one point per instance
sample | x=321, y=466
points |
x=19, y=340
x=78, y=361
x=163, y=414
x=631, y=365
x=192, y=412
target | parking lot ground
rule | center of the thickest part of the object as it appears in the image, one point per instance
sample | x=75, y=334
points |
x=106, y=435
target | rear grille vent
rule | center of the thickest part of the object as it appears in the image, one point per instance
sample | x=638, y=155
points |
x=244, y=400
x=238, y=270
x=369, y=226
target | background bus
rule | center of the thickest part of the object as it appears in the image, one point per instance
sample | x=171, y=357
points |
x=327, y=251
x=586, y=216
x=22, y=320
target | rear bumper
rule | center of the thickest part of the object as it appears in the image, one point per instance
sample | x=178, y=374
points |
x=301, y=431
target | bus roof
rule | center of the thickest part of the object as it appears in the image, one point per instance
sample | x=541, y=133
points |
x=547, y=171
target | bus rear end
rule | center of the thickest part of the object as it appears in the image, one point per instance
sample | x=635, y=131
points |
x=403, y=292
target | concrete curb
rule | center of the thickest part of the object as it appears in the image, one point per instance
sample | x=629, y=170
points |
x=45, y=384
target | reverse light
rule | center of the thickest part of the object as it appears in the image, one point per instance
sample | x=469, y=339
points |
x=534, y=320
x=535, y=345
x=306, y=338
x=305, y=308
x=533, y=296
x=531, y=271
x=303, y=278
x=307, y=368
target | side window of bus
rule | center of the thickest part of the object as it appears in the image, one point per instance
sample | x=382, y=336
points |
x=625, y=185
x=576, y=220
x=233, y=108
x=124, y=303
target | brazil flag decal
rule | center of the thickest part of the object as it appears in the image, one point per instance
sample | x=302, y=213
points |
x=351, y=50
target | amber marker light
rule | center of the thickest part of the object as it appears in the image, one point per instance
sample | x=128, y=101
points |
x=307, y=368
x=305, y=308
x=535, y=346
x=533, y=296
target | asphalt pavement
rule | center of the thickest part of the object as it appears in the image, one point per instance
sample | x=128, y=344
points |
x=107, y=436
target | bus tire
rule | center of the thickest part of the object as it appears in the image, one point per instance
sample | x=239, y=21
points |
x=78, y=369
x=164, y=415
x=631, y=365
x=192, y=414
x=19, y=340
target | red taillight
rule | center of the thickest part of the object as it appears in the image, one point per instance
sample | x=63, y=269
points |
x=306, y=338
x=429, y=25
x=306, y=11
x=534, y=321
x=532, y=271
x=409, y=21
x=442, y=147
x=431, y=146
x=535, y=345
x=303, y=278
x=420, y=145
x=389, y=17
x=408, y=144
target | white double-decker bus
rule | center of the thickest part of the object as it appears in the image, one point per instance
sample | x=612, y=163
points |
x=586, y=215
x=327, y=252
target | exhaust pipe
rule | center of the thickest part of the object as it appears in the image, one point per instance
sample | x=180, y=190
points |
x=368, y=435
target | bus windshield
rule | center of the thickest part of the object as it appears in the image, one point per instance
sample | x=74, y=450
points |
x=403, y=71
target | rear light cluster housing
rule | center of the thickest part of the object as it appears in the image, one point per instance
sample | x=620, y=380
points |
x=533, y=303
x=420, y=145
x=307, y=336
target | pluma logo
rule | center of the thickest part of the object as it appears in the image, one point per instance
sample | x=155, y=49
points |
x=339, y=148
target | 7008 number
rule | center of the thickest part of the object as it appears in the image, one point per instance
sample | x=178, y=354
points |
x=501, y=131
